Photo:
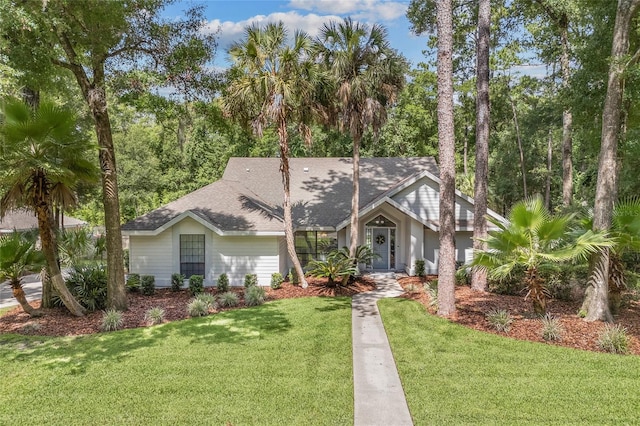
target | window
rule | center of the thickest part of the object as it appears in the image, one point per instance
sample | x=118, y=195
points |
x=315, y=245
x=191, y=254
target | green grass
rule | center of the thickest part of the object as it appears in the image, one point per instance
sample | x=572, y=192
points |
x=454, y=375
x=285, y=362
x=5, y=310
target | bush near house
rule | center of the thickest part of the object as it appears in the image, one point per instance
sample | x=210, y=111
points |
x=276, y=280
x=133, y=283
x=250, y=280
x=176, y=281
x=419, y=268
x=223, y=283
x=147, y=285
x=88, y=284
x=196, y=284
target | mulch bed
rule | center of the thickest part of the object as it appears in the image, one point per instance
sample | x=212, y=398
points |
x=59, y=322
x=472, y=307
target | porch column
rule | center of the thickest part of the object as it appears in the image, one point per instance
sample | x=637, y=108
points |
x=416, y=248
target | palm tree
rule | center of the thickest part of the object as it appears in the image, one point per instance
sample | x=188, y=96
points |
x=367, y=74
x=42, y=153
x=534, y=238
x=273, y=84
x=17, y=257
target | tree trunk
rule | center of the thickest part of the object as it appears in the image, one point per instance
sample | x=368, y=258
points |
x=596, y=304
x=286, y=205
x=479, y=277
x=116, y=293
x=446, y=148
x=519, y=140
x=19, y=295
x=47, y=288
x=355, y=199
x=48, y=249
x=547, y=191
x=567, y=118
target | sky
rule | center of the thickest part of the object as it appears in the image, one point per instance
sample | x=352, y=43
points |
x=230, y=17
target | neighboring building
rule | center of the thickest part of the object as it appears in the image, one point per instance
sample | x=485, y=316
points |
x=235, y=225
x=21, y=220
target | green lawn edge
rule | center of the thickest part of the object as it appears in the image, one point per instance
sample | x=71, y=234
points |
x=285, y=362
x=455, y=375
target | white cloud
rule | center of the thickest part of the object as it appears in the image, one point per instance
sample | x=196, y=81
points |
x=371, y=10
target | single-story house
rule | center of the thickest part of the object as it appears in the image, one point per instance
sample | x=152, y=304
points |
x=235, y=225
x=21, y=220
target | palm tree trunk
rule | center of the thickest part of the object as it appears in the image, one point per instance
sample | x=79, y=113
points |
x=47, y=288
x=19, y=295
x=596, y=304
x=286, y=205
x=446, y=138
x=479, y=277
x=355, y=199
x=48, y=249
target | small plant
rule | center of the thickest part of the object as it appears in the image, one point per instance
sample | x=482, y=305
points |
x=250, y=280
x=551, y=328
x=500, y=319
x=254, y=296
x=197, y=308
x=419, y=268
x=223, y=283
x=276, y=280
x=112, y=320
x=133, y=283
x=228, y=299
x=293, y=276
x=208, y=298
x=147, y=285
x=176, y=282
x=196, y=284
x=154, y=316
x=432, y=290
x=31, y=327
x=335, y=268
x=412, y=288
x=613, y=339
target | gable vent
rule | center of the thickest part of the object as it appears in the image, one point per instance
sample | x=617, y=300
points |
x=306, y=170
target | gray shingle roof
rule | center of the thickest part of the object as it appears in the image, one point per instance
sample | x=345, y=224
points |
x=249, y=195
x=23, y=220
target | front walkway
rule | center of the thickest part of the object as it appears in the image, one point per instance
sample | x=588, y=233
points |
x=379, y=397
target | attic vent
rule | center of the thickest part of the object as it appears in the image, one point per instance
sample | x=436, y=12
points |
x=248, y=170
x=306, y=170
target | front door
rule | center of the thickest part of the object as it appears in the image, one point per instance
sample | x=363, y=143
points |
x=380, y=247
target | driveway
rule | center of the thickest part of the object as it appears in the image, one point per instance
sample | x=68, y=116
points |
x=32, y=287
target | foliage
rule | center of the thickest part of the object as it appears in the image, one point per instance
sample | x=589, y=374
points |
x=223, y=283
x=413, y=288
x=18, y=256
x=147, y=285
x=334, y=268
x=112, y=320
x=276, y=280
x=254, y=296
x=88, y=284
x=419, y=268
x=154, y=315
x=177, y=280
x=250, y=280
x=431, y=288
x=196, y=284
x=551, y=328
x=228, y=299
x=500, y=319
x=74, y=245
x=208, y=298
x=364, y=255
x=614, y=339
x=293, y=276
x=198, y=307
x=133, y=283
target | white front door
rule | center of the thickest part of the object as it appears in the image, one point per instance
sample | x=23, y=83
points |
x=380, y=247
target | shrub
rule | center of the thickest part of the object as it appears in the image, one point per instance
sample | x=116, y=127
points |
x=176, y=282
x=463, y=275
x=197, y=308
x=333, y=268
x=154, y=315
x=223, y=283
x=412, y=288
x=112, y=320
x=613, y=339
x=228, y=299
x=254, y=296
x=207, y=298
x=419, y=268
x=147, y=285
x=276, y=280
x=250, y=280
x=512, y=285
x=196, y=284
x=500, y=319
x=432, y=290
x=293, y=276
x=88, y=284
x=551, y=328
x=133, y=283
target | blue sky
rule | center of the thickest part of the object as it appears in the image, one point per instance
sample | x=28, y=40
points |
x=229, y=18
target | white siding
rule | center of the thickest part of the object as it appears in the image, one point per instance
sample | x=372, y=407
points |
x=152, y=256
x=464, y=249
x=190, y=226
x=238, y=256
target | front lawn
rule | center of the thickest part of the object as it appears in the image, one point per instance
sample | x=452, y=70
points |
x=455, y=375
x=285, y=362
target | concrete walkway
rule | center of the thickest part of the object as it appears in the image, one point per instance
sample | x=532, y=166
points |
x=379, y=397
